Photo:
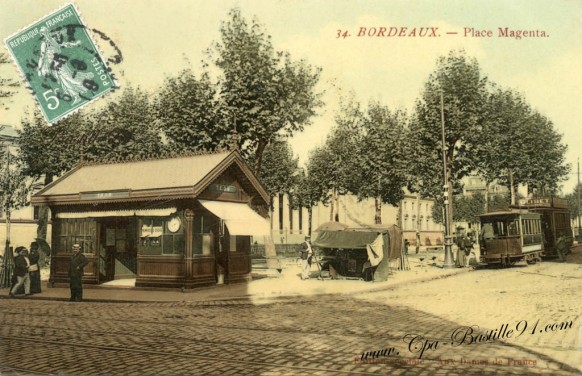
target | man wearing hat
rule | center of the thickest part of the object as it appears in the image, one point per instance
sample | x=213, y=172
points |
x=34, y=269
x=78, y=262
x=21, y=265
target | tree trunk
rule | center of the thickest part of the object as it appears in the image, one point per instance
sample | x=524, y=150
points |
x=336, y=217
x=486, y=197
x=378, y=214
x=511, y=188
x=332, y=201
x=43, y=217
x=259, y=156
x=309, y=218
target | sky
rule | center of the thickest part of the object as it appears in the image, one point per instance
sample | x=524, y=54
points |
x=160, y=38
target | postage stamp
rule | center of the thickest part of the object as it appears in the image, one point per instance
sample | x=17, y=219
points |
x=60, y=63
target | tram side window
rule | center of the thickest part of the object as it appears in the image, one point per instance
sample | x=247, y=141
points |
x=500, y=229
x=513, y=227
x=531, y=226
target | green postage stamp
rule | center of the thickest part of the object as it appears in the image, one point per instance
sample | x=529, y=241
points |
x=60, y=63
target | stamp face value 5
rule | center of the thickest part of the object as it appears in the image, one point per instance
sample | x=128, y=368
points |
x=60, y=63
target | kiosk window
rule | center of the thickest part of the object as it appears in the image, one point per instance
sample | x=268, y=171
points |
x=157, y=239
x=80, y=231
x=203, y=230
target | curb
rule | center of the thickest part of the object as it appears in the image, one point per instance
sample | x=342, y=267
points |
x=247, y=297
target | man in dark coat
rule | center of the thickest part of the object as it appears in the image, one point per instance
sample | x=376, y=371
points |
x=21, y=264
x=34, y=269
x=78, y=262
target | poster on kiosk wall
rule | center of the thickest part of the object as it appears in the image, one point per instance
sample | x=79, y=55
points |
x=404, y=121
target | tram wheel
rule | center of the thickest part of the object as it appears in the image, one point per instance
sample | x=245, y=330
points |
x=532, y=259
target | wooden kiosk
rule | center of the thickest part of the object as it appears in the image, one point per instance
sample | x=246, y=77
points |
x=178, y=222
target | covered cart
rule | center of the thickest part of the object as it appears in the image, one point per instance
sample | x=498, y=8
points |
x=363, y=252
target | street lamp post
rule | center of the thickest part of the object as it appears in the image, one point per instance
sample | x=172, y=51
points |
x=578, y=190
x=448, y=264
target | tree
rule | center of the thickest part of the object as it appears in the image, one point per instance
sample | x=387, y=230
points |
x=12, y=184
x=381, y=158
x=14, y=193
x=468, y=208
x=339, y=157
x=267, y=92
x=47, y=152
x=320, y=183
x=280, y=169
x=573, y=199
x=187, y=109
x=308, y=193
x=464, y=88
x=7, y=84
x=516, y=145
x=312, y=183
x=546, y=167
x=124, y=129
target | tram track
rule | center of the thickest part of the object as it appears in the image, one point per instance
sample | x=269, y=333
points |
x=127, y=332
x=174, y=354
x=180, y=319
x=19, y=371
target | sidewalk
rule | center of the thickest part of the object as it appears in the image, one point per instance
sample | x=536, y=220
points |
x=288, y=284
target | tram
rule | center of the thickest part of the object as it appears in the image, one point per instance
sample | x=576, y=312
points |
x=510, y=236
x=555, y=218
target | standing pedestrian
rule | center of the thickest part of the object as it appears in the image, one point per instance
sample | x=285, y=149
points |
x=561, y=248
x=78, y=262
x=21, y=264
x=461, y=255
x=468, y=243
x=306, y=256
x=34, y=269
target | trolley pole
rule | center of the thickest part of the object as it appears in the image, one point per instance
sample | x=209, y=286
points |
x=448, y=244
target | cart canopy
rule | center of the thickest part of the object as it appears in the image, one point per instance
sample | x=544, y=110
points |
x=361, y=239
x=344, y=239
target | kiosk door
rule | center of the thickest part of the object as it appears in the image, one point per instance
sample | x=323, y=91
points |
x=118, y=253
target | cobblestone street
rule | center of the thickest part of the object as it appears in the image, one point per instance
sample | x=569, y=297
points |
x=421, y=328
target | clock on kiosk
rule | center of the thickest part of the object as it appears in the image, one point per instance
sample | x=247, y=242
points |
x=174, y=224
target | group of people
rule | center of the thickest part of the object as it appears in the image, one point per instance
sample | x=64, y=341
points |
x=27, y=272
